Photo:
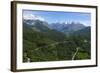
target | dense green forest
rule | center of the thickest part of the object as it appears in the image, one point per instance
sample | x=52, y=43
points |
x=40, y=43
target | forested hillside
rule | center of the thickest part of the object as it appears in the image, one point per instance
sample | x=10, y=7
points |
x=43, y=43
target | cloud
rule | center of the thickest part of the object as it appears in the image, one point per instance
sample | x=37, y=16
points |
x=30, y=16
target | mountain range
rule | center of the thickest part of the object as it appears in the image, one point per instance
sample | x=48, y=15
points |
x=66, y=28
x=41, y=28
x=54, y=42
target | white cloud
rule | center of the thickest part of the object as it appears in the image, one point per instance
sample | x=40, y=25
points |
x=32, y=17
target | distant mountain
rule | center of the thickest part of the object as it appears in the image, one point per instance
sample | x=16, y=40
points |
x=36, y=25
x=73, y=27
x=42, y=28
x=85, y=32
x=58, y=26
x=67, y=28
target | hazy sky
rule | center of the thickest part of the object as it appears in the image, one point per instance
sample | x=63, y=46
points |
x=53, y=16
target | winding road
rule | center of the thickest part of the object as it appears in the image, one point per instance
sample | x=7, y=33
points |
x=51, y=45
x=73, y=56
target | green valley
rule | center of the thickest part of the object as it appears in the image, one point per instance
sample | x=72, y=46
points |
x=41, y=43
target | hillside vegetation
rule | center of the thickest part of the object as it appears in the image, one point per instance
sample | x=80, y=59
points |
x=41, y=42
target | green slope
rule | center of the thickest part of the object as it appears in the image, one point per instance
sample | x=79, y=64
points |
x=51, y=45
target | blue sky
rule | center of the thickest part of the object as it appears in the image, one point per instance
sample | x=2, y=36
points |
x=53, y=16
